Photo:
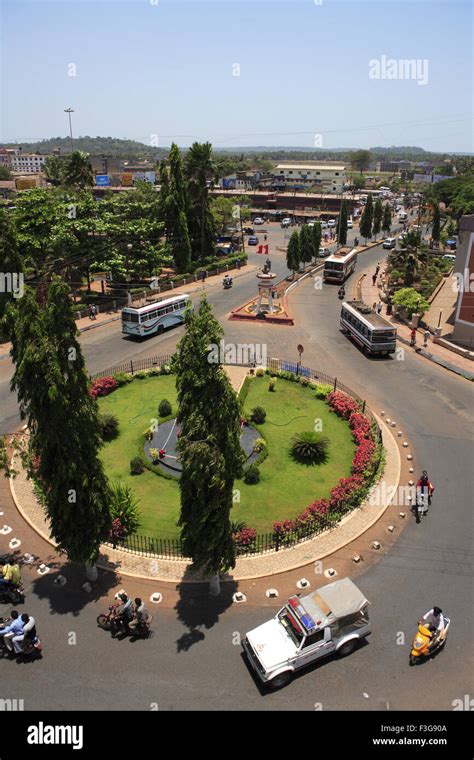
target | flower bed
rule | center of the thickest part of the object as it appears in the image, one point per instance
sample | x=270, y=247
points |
x=103, y=386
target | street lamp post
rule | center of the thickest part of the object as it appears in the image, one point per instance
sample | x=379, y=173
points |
x=69, y=111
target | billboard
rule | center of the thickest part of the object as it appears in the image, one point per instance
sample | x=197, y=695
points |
x=127, y=179
x=102, y=180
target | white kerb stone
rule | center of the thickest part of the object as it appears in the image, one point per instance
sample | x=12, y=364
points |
x=271, y=593
x=156, y=598
x=375, y=544
x=43, y=569
x=330, y=572
x=303, y=583
x=14, y=543
x=239, y=597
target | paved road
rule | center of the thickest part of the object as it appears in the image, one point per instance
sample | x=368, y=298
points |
x=194, y=661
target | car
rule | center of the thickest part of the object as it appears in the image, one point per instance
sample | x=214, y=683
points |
x=253, y=240
x=349, y=224
x=286, y=222
x=332, y=619
x=258, y=220
x=450, y=257
x=249, y=230
x=323, y=252
x=331, y=223
x=389, y=243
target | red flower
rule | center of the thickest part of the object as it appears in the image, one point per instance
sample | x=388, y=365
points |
x=342, y=404
x=103, y=386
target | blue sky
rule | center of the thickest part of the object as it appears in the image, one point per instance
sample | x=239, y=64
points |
x=167, y=68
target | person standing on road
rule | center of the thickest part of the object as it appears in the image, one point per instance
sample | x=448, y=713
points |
x=374, y=278
x=413, y=337
x=426, y=337
x=379, y=307
x=377, y=268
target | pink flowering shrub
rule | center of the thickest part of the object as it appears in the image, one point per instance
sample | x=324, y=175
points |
x=117, y=531
x=103, y=386
x=342, y=404
x=363, y=456
x=245, y=538
x=346, y=491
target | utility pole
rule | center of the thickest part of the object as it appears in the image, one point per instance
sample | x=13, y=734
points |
x=70, y=111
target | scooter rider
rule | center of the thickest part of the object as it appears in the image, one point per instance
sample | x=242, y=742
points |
x=11, y=575
x=434, y=621
x=29, y=631
x=14, y=628
x=341, y=292
x=123, y=614
x=425, y=486
x=141, y=616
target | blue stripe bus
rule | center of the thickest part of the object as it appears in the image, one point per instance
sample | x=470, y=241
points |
x=155, y=317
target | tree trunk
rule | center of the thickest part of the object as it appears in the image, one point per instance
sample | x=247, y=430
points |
x=91, y=571
x=215, y=585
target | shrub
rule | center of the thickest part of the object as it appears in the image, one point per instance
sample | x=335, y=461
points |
x=260, y=372
x=347, y=492
x=271, y=384
x=165, y=369
x=259, y=445
x=310, y=447
x=252, y=475
x=109, y=426
x=164, y=408
x=103, y=386
x=155, y=454
x=123, y=378
x=258, y=415
x=304, y=382
x=244, y=538
x=141, y=374
x=363, y=456
x=323, y=391
x=124, y=508
x=342, y=404
x=136, y=466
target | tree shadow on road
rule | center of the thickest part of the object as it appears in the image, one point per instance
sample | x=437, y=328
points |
x=199, y=611
x=71, y=597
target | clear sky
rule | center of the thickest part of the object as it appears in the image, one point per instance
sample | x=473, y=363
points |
x=239, y=73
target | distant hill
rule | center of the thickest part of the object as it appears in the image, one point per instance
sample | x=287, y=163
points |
x=110, y=146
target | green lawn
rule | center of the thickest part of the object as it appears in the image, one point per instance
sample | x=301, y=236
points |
x=285, y=488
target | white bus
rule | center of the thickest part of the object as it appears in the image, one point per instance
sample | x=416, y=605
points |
x=371, y=331
x=339, y=265
x=155, y=317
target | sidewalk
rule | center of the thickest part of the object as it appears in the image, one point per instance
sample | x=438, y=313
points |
x=371, y=294
x=106, y=317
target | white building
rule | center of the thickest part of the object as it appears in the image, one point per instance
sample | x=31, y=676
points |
x=31, y=163
x=329, y=176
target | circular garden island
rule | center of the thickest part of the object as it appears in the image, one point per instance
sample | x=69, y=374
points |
x=310, y=453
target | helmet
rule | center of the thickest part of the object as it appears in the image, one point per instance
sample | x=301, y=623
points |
x=437, y=611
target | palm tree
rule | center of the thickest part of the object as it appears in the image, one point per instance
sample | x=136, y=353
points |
x=53, y=169
x=201, y=172
x=78, y=170
x=409, y=259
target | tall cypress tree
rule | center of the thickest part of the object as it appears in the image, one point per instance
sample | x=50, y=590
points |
x=200, y=169
x=342, y=224
x=435, y=234
x=11, y=271
x=52, y=387
x=387, y=219
x=175, y=212
x=306, y=244
x=366, y=221
x=293, y=252
x=209, y=445
x=316, y=234
x=378, y=213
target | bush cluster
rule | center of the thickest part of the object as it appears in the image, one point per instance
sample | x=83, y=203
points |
x=103, y=386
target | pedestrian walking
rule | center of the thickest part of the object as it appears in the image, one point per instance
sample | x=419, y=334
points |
x=426, y=337
x=377, y=268
x=413, y=337
x=374, y=278
x=379, y=307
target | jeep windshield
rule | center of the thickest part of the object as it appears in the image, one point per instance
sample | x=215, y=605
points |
x=291, y=626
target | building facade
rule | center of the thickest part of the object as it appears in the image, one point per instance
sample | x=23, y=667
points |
x=330, y=177
x=28, y=163
x=463, y=333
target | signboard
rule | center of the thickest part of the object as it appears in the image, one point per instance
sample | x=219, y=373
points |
x=127, y=179
x=102, y=180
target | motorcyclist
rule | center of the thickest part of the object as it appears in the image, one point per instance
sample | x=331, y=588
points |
x=341, y=292
x=424, y=486
x=123, y=613
x=29, y=632
x=14, y=628
x=434, y=622
x=11, y=575
x=140, y=616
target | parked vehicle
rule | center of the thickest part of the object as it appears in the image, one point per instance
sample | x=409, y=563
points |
x=389, y=243
x=248, y=230
x=323, y=252
x=253, y=240
x=420, y=648
x=259, y=220
x=349, y=224
x=286, y=222
x=449, y=257
x=332, y=619
x=331, y=223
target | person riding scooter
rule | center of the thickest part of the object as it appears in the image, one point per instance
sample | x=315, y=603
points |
x=140, y=619
x=123, y=615
x=341, y=292
x=11, y=576
x=227, y=282
x=425, y=486
x=434, y=622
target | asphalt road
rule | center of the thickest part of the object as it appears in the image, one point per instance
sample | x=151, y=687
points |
x=193, y=661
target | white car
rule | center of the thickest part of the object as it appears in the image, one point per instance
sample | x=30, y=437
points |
x=331, y=223
x=389, y=243
x=349, y=224
x=334, y=618
x=286, y=222
x=258, y=220
x=323, y=252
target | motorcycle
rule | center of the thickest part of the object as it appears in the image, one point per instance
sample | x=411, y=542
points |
x=421, y=505
x=30, y=647
x=423, y=637
x=341, y=293
x=227, y=283
x=13, y=594
x=110, y=622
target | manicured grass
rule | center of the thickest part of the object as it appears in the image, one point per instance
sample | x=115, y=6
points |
x=286, y=487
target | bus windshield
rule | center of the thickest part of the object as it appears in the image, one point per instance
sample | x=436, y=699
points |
x=335, y=265
x=129, y=317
